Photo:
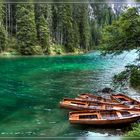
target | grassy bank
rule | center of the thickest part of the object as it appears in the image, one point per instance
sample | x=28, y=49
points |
x=54, y=50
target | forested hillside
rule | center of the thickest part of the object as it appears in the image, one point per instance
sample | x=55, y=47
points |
x=53, y=28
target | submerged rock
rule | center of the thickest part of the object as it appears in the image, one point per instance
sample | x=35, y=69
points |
x=107, y=90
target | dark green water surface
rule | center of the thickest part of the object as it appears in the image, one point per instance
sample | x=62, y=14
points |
x=31, y=88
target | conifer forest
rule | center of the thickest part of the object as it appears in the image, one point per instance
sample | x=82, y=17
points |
x=34, y=28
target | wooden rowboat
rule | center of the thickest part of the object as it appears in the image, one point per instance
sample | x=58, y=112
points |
x=125, y=100
x=103, y=117
x=73, y=104
x=91, y=97
x=106, y=101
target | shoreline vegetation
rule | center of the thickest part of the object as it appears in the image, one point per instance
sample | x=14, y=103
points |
x=14, y=54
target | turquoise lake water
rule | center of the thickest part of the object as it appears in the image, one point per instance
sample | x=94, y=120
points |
x=31, y=88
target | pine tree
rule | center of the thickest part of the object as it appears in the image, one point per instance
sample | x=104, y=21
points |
x=3, y=34
x=68, y=35
x=102, y=15
x=76, y=25
x=42, y=26
x=62, y=25
x=76, y=35
x=84, y=27
x=57, y=23
x=26, y=29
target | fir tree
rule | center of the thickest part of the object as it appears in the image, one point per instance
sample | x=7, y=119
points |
x=76, y=35
x=26, y=28
x=42, y=26
x=68, y=35
x=3, y=34
x=57, y=23
x=84, y=27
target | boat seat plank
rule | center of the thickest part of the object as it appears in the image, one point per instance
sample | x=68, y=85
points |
x=119, y=114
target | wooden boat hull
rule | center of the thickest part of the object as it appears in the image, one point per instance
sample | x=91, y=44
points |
x=125, y=100
x=77, y=117
x=76, y=108
x=104, y=122
x=97, y=101
x=91, y=97
x=72, y=104
x=69, y=107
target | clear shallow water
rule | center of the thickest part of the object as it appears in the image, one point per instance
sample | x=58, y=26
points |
x=31, y=88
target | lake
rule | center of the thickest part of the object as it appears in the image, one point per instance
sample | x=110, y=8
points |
x=32, y=87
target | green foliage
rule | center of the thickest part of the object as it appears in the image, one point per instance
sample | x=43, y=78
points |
x=57, y=23
x=70, y=25
x=1, y=13
x=76, y=36
x=84, y=27
x=12, y=43
x=135, y=132
x=26, y=28
x=130, y=75
x=95, y=32
x=121, y=79
x=74, y=26
x=3, y=38
x=135, y=77
x=68, y=28
x=103, y=15
x=43, y=34
x=36, y=50
x=123, y=34
x=3, y=33
x=57, y=49
x=42, y=27
x=63, y=26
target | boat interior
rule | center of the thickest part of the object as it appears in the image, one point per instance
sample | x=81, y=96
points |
x=112, y=115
